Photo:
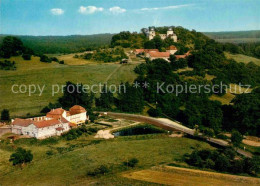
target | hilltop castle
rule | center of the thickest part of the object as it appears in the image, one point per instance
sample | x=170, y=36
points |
x=170, y=34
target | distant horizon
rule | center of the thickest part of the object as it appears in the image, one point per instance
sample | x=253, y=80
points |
x=121, y=31
x=81, y=17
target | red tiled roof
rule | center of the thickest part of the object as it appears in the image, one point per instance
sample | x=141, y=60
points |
x=151, y=50
x=63, y=120
x=180, y=56
x=46, y=123
x=57, y=111
x=183, y=56
x=59, y=129
x=22, y=122
x=138, y=51
x=172, y=47
x=159, y=54
x=72, y=124
x=76, y=109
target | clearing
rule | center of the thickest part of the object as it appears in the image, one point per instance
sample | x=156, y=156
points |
x=182, y=176
x=242, y=58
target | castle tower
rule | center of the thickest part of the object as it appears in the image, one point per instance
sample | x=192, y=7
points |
x=169, y=32
x=151, y=34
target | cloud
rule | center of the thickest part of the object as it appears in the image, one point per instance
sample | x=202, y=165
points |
x=57, y=11
x=117, y=10
x=166, y=7
x=90, y=9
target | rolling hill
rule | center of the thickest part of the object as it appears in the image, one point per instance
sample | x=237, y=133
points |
x=63, y=44
x=235, y=36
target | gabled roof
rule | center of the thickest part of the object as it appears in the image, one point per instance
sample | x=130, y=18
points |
x=57, y=111
x=183, y=56
x=172, y=47
x=63, y=120
x=151, y=50
x=22, y=122
x=138, y=51
x=47, y=123
x=72, y=124
x=159, y=54
x=76, y=109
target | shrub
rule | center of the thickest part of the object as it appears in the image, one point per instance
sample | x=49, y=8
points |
x=50, y=152
x=61, y=62
x=26, y=56
x=101, y=170
x=49, y=141
x=7, y=65
x=21, y=156
x=154, y=112
x=54, y=59
x=44, y=58
x=5, y=116
x=236, y=138
x=131, y=163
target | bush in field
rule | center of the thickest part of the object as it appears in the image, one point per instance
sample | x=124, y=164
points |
x=131, y=163
x=50, y=152
x=44, y=58
x=101, y=170
x=5, y=116
x=49, y=141
x=236, y=138
x=27, y=56
x=7, y=65
x=21, y=156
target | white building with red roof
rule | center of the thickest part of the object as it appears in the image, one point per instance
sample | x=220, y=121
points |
x=76, y=114
x=39, y=129
x=159, y=55
x=56, y=122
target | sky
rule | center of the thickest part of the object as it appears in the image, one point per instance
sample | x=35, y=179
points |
x=84, y=17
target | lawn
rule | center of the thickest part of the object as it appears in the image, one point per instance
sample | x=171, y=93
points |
x=242, y=58
x=71, y=167
x=48, y=74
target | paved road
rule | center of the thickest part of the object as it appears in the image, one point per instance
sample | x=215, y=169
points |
x=172, y=126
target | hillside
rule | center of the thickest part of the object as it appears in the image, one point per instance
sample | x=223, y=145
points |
x=63, y=44
x=39, y=73
x=235, y=36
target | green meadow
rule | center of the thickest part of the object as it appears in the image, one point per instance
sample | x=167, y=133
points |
x=49, y=74
x=71, y=167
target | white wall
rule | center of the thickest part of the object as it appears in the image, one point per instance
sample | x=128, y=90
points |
x=40, y=133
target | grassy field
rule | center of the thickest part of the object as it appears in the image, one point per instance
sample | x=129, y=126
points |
x=72, y=167
x=242, y=58
x=48, y=74
x=183, y=176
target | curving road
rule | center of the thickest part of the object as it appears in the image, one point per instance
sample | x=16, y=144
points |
x=172, y=126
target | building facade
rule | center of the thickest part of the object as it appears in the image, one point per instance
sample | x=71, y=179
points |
x=56, y=122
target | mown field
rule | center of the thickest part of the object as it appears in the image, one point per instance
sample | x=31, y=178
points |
x=242, y=58
x=49, y=74
x=71, y=167
x=181, y=176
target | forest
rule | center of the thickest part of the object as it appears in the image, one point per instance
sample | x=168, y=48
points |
x=63, y=44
